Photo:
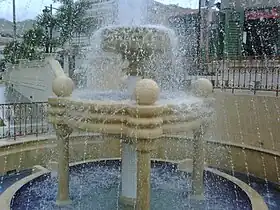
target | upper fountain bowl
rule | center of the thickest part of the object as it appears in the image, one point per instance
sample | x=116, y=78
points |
x=135, y=42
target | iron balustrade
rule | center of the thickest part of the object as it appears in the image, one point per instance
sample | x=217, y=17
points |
x=242, y=73
x=21, y=119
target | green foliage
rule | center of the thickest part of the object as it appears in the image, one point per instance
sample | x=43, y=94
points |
x=29, y=48
x=12, y=52
x=34, y=37
x=71, y=18
x=2, y=124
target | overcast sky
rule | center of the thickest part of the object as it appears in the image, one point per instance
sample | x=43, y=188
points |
x=28, y=9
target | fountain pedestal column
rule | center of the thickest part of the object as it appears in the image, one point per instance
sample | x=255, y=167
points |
x=131, y=82
x=62, y=86
x=145, y=127
x=143, y=173
x=198, y=165
x=63, y=132
x=128, y=174
x=202, y=88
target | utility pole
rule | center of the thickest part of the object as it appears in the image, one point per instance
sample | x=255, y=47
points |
x=14, y=21
x=198, y=34
x=207, y=27
x=51, y=28
x=205, y=17
x=45, y=19
x=14, y=31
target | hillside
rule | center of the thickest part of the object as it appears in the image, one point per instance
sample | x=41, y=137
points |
x=6, y=27
x=161, y=14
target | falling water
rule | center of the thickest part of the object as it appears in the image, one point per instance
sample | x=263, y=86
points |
x=134, y=12
x=102, y=71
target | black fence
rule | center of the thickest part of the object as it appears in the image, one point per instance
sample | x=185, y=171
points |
x=241, y=74
x=21, y=119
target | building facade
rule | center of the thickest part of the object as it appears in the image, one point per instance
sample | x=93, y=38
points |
x=251, y=28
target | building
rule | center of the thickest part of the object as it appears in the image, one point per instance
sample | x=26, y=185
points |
x=251, y=28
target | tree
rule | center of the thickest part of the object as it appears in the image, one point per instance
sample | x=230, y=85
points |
x=12, y=52
x=29, y=48
x=71, y=19
x=34, y=37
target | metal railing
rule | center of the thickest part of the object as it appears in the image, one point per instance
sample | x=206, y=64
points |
x=21, y=119
x=242, y=74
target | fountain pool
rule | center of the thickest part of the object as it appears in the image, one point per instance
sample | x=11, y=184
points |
x=97, y=184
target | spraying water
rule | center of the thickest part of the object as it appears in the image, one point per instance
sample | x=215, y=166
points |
x=103, y=71
x=133, y=12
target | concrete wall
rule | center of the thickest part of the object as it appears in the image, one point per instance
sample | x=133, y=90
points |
x=32, y=79
x=250, y=126
x=254, y=119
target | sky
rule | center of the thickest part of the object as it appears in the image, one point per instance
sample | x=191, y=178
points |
x=29, y=9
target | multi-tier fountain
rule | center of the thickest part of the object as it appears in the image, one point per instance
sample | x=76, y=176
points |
x=139, y=121
x=154, y=134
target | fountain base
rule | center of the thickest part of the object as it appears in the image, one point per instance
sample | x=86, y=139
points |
x=131, y=83
x=198, y=201
x=199, y=198
x=127, y=203
x=128, y=174
x=63, y=203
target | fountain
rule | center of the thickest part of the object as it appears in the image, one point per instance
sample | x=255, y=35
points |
x=138, y=124
x=138, y=45
x=137, y=121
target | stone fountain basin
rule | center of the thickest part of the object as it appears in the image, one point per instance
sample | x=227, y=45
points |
x=111, y=111
x=135, y=41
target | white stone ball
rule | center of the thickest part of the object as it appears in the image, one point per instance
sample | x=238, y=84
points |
x=63, y=86
x=202, y=87
x=146, y=92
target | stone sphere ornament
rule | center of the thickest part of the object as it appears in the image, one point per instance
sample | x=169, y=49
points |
x=63, y=86
x=146, y=92
x=202, y=87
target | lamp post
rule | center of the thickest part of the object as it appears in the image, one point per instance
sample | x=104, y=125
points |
x=204, y=16
x=198, y=34
x=14, y=30
x=14, y=21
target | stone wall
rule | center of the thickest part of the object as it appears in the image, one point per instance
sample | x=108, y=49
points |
x=250, y=119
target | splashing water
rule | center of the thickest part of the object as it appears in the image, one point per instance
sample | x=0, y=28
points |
x=97, y=184
x=104, y=70
x=133, y=12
